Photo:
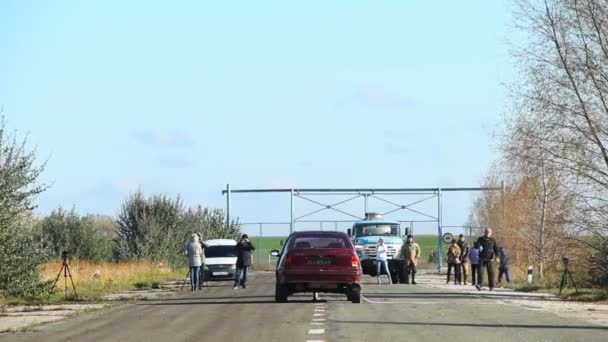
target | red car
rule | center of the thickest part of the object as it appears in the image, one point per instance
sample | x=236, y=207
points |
x=317, y=261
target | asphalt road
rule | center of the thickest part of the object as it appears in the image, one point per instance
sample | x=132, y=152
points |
x=389, y=313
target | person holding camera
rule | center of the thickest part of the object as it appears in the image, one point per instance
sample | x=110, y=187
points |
x=243, y=261
x=194, y=251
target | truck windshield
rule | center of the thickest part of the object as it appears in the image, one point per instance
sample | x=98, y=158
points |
x=220, y=252
x=376, y=229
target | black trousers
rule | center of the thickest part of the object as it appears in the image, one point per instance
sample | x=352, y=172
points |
x=504, y=270
x=410, y=269
x=474, y=271
x=456, y=268
x=487, y=266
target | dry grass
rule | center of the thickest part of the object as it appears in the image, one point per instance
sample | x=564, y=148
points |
x=93, y=280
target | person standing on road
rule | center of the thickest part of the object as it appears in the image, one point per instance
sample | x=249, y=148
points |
x=464, y=254
x=504, y=265
x=411, y=253
x=474, y=259
x=202, y=275
x=243, y=261
x=382, y=259
x=453, y=261
x=194, y=251
x=489, y=252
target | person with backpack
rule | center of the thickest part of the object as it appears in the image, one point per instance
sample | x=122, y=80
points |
x=487, y=256
x=464, y=254
x=474, y=260
x=453, y=261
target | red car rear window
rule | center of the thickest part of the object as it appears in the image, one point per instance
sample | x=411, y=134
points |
x=303, y=242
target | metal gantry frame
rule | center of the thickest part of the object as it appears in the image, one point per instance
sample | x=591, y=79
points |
x=365, y=193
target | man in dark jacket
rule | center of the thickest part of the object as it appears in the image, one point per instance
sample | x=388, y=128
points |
x=489, y=252
x=243, y=249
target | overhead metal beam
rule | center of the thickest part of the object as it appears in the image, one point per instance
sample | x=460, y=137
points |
x=370, y=190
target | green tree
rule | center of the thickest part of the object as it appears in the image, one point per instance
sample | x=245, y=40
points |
x=20, y=248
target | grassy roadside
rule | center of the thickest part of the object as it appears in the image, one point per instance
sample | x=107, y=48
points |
x=568, y=293
x=94, y=280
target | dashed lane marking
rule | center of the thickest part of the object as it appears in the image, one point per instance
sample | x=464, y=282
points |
x=316, y=331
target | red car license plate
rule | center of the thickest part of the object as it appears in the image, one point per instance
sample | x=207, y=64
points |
x=320, y=261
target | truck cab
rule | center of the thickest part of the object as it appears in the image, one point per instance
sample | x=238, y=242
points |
x=365, y=235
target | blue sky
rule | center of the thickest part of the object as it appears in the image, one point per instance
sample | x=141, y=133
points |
x=183, y=97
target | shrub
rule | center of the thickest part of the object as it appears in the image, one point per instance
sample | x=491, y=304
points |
x=68, y=231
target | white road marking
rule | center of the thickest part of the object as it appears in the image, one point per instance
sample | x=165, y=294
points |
x=316, y=331
x=315, y=341
x=318, y=319
x=319, y=314
x=316, y=323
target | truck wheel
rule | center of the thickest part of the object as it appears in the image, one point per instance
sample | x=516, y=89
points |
x=355, y=295
x=280, y=293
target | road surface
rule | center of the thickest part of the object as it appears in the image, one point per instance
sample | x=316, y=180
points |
x=389, y=313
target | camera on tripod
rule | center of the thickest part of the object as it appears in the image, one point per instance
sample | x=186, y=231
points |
x=65, y=270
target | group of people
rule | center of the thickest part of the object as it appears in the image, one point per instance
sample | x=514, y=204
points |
x=410, y=252
x=483, y=256
x=195, y=251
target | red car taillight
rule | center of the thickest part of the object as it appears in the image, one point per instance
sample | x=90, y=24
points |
x=354, y=260
x=288, y=260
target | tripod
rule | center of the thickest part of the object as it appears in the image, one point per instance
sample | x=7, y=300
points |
x=566, y=272
x=65, y=268
x=201, y=280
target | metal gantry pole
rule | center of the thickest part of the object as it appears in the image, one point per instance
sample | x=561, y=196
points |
x=228, y=206
x=365, y=197
x=439, y=233
x=291, y=224
x=261, y=246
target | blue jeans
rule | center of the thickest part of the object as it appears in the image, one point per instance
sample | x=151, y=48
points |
x=240, y=276
x=195, y=277
x=379, y=265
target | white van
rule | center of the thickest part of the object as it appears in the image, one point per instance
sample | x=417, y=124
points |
x=220, y=259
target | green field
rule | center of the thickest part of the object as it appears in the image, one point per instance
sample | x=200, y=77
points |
x=264, y=245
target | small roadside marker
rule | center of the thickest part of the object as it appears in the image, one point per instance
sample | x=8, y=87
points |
x=316, y=331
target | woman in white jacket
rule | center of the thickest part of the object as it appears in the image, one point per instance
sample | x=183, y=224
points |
x=382, y=259
x=194, y=251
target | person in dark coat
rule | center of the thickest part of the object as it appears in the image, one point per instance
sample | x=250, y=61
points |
x=487, y=256
x=504, y=265
x=244, y=249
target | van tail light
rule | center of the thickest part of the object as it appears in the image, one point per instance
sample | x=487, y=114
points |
x=354, y=260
